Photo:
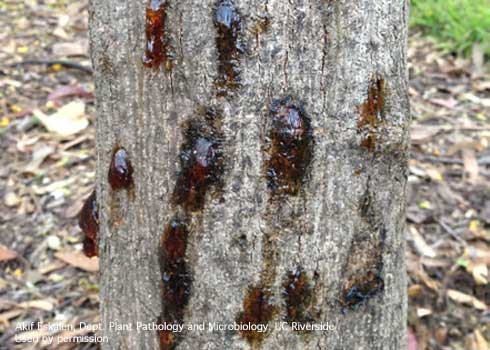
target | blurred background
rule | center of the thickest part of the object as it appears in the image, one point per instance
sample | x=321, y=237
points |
x=47, y=169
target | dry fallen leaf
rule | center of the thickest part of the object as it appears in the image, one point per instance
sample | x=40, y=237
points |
x=6, y=254
x=5, y=317
x=428, y=282
x=54, y=186
x=449, y=103
x=479, y=272
x=481, y=343
x=422, y=312
x=420, y=244
x=415, y=290
x=38, y=157
x=65, y=91
x=73, y=210
x=470, y=165
x=50, y=267
x=44, y=304
x=420, y=134
x=79, y=260
x=435, y=174
x=11, y=199
x=68, y=120
x=482, y=86
x=25, y=143
x=466, y=299
x=60, y=33
x=71, y=49
x=485, y=102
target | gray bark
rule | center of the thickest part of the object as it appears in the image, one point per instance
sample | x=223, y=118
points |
x=349, y=214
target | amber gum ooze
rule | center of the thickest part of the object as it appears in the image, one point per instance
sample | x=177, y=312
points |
x=176, y=278
x=156, y=48
x=201, y=166
x=365, y=260
x=357, y=292
x=257, y=309
x=88, y=220
x=120, y=171
x=371, y=113
x=298, y=295
x=227, y=22
x=290, y=151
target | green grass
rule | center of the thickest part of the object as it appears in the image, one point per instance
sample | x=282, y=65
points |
x=454, y=24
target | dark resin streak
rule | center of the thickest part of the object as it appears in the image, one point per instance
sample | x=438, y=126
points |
x=176, y=279
x=201, y=162
x=201, y=166
x=228, y=26
x=88, y=220
x=298, y=295
x=365, y=259
x=156, y=50
x=257, y=309
x=371, y=112
x=120, y=171
x=290, y=149
x=360, y=289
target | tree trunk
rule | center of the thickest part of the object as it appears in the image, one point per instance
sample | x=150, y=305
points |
x=251, y=162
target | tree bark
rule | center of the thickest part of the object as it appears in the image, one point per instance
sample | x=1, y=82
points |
x=301, y=109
